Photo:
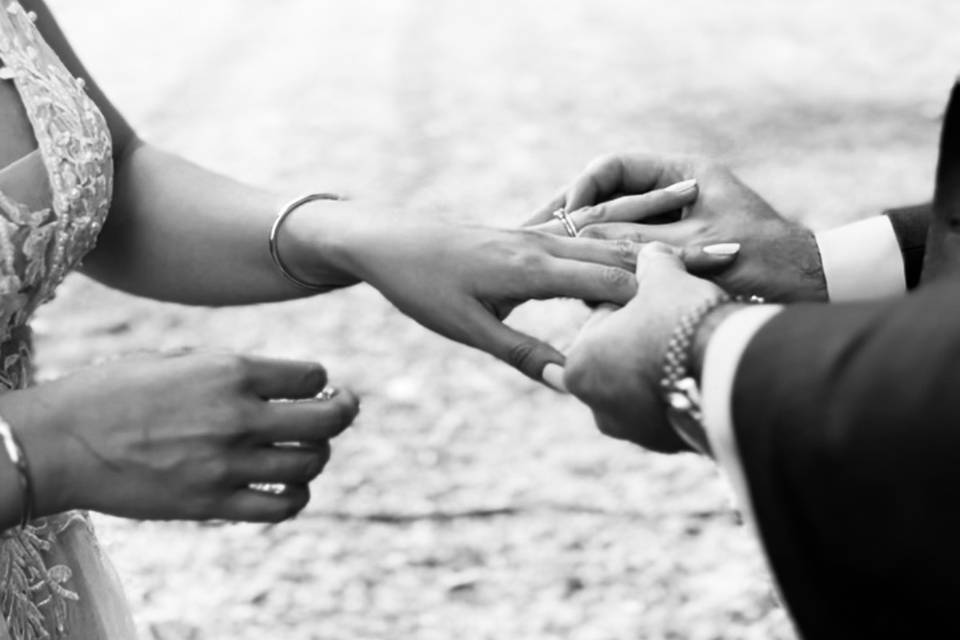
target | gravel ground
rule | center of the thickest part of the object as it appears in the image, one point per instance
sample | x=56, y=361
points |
x=469, y=502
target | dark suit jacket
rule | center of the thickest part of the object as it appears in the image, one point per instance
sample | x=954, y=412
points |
x=848, y=422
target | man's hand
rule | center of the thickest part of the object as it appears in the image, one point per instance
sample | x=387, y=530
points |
x=778, y=259
x=615, y=365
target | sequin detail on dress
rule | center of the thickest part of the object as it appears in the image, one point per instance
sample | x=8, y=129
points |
x=38, y=248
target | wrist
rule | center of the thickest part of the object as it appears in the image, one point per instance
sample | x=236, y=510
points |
x=53, y=480
x=35, y=486
x=683, y=363
x=701, y=339
x=319, y=244
x=800, y=245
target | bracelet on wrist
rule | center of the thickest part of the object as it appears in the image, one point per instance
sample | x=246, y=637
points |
x=275, y=236
x=14, y=451
x=681, y=389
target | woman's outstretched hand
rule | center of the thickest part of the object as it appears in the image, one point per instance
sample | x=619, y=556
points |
x=461, y=281
x=179, y=437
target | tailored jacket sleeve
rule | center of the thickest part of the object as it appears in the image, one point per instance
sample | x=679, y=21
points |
x=911, y=225
x=847, y=421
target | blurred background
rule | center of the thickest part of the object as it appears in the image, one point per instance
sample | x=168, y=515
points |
x=469, y=502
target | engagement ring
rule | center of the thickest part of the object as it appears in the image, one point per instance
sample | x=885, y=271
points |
x=568, y=225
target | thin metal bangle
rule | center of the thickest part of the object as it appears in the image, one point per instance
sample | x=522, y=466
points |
x=275, y=233
x=19, y=459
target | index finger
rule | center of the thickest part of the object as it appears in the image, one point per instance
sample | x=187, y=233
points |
x=285, y=379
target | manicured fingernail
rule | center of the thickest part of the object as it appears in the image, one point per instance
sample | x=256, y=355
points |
x=682, y=187
x=723, y=249
x=553, y=376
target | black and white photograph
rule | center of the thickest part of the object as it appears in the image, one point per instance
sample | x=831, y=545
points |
x=461, y=320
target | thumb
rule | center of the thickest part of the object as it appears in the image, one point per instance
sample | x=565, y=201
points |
x=710, y=259
x=655, y=257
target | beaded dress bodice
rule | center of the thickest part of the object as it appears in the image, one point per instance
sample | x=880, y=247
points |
x=38, y=248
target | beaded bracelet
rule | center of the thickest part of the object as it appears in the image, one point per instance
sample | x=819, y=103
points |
x=275, y=233
x=680, y=389
x=11, y=445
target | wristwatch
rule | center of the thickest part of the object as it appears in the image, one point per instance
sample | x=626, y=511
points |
x=681, y=391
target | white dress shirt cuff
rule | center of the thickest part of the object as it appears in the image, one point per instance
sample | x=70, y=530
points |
x=720, y=362
x=862, y=260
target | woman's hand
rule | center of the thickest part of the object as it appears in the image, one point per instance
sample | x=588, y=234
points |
x=179, y=437
x=460, y=281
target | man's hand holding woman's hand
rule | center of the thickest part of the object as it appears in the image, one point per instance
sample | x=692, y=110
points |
x=625, y=196
x=616, y=363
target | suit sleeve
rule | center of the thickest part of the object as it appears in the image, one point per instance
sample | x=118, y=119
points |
x=847, y=421
x=874, y=258
x=911, y=224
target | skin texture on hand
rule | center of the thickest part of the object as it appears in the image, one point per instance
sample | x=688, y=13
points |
x=178, y=437
x=779, y=260
x=461, y=281
x=615, y=365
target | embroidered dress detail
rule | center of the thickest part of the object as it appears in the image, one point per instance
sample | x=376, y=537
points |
x=38, y=248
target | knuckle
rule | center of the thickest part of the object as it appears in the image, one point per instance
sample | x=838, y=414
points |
x=219, y=470
x=239, y=417
x=533, y=262
x=615, y=276
x=229, y=367
x=530, y=265
x=627, y=250
x=603, y=161
x=698, y=227
x=593, y=232
x=522, y=355
x=595, y=214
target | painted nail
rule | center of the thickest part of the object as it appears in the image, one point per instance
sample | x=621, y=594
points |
x=682, y=187
x=553, y=376
x=723, y=249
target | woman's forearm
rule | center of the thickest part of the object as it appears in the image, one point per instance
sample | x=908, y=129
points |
x=182, y=233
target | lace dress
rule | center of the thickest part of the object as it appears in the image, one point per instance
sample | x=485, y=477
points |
x=54, y=580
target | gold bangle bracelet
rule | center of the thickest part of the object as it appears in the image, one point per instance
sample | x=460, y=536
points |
x=275, y=233
x=11, y=445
